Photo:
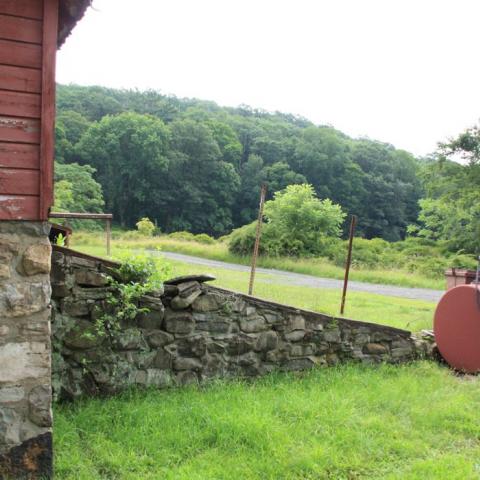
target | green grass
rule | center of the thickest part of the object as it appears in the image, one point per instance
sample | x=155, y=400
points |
x=219, y=251
x=397, y=312
x=349, y=422
x=409, y=314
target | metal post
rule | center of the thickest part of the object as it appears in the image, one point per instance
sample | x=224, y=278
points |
x=109, y=233
x=263, y=193
x=348, y=262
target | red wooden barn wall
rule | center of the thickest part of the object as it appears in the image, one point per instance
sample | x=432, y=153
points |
x=28, y=37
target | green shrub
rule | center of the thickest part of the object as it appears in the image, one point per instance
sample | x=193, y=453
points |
x=461, y=260
x=145, y=227
x=204, y=238
x=186, y=236
x=143, y=269
x=298, y=224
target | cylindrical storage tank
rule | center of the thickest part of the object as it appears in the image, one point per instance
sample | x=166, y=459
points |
x=457, y=327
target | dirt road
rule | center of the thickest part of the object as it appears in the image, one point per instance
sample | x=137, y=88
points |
x=299, y=279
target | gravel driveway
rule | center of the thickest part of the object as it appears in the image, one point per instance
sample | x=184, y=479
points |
x=299, y=279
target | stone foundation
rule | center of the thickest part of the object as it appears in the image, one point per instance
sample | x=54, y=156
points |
x=194, y=332
x=25, y=373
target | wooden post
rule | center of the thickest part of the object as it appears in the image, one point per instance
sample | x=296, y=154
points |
x=348, y=262
x=109, y=234
x=263, y=193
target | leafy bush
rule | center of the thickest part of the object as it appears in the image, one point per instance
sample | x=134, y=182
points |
x=137, y=276
x=186, y=236
x=145, y=227
x=143, y=269
x=297, y=224
x=204, y=238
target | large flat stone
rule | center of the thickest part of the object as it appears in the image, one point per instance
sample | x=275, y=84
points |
x=190, y=278
x=22, y=361
x=36, y=259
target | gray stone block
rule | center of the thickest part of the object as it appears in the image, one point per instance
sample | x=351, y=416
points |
x=158, y=338
x=252, y=324
x=181, y=322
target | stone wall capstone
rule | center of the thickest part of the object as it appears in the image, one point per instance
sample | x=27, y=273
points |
x=193, y=332
x=25, y=383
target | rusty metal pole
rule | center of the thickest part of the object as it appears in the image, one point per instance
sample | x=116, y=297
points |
x=108, y=230
x=263, y=193
x=353, y=223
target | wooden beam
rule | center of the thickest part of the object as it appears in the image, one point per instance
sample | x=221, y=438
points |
x=81, y=216
x=47, y=143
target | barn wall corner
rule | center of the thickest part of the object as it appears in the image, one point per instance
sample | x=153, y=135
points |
x=25, y=351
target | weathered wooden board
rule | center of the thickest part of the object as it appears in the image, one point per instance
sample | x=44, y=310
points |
x=19, y=182
x=20, y=104
x=19, y=130
x=20, y=54
x=19, y=155
x=22, y=8
x=18, y=207
x=47, y=145
x=20, y=29
x=20, y=79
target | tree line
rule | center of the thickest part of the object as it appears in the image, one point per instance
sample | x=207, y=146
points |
x=193, y=165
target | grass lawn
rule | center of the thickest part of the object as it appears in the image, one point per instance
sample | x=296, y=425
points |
x=349, y=422
x=416, y=421
x=409, y=314
x=319, y=267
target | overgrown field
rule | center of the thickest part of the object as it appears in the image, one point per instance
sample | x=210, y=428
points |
x=404, y=313
x=349, y=422
x=216, y=250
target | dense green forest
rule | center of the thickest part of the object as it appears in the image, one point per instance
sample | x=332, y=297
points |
x=192, y=165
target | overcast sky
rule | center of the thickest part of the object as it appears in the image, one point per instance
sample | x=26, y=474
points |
x=405, y=72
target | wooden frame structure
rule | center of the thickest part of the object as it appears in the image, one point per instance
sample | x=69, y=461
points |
x=90, y=216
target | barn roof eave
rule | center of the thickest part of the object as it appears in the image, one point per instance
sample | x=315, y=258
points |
x=70, y=12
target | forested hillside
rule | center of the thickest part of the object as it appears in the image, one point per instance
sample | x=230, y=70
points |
x=192, y=165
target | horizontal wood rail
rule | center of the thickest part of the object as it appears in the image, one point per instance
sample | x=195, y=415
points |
x=83, y=216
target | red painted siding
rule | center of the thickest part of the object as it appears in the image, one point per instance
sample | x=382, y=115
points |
x=19, y=182
x=20, y=54
x=19, y=104
x=22, y=8
x=23, y=130
x=18, y=155
x=28, y=40
x=21, y=29
x=17, y=207
x=20, y=79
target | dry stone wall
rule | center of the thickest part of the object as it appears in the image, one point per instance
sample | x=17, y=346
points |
x=25, y=385
x=193, y=332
